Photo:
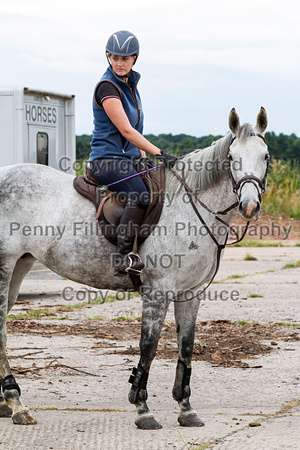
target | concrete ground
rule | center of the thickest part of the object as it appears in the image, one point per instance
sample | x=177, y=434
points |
x=89, y=409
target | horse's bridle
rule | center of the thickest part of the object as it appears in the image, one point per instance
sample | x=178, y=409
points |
x=236, y=185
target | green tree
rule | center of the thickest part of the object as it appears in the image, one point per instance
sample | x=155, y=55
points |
x=284, y=147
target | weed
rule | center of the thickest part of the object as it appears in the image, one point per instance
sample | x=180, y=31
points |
x=19, y=316
x=282, y=193
x=202, y=446
x=122, y=318
x=233, y=277
x=51, y=313
x=248, y=243
x=40, y=312
x=35, y=314
x=288, y=324
x=243, y=322
x=292, y=265
x=127, y=319
x=248, y=257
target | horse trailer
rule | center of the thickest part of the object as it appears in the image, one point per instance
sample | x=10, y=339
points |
x=37, y=127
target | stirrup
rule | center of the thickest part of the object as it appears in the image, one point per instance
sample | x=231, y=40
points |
x=135, y=264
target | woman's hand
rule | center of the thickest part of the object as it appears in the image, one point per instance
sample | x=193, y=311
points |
x=167, y=159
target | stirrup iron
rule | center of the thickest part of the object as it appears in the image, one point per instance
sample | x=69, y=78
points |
x=135, y=264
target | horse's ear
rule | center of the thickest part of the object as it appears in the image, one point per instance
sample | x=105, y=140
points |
x=261, y=120
x=234, y=121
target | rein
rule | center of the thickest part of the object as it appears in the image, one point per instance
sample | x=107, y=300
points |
x=220, y=247
x=236, y=186
x=215, y=214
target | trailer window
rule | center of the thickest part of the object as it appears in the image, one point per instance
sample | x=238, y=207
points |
x=42, y=148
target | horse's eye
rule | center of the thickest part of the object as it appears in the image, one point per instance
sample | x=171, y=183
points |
x=267, y=157
x=229, y=157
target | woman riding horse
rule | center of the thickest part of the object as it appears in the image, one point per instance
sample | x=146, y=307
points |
x=118, y=143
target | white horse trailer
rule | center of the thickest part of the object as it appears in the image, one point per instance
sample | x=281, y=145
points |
x=37, y=127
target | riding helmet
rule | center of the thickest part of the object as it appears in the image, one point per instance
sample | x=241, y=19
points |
x=123, y=43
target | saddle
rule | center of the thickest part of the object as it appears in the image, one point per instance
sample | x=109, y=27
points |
x=109, y=208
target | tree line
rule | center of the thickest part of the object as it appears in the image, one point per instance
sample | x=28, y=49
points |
x=282, y=146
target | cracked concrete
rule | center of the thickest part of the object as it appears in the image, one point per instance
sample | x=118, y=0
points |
x=75, y=410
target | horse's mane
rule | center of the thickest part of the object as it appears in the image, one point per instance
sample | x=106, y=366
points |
x=206, y=167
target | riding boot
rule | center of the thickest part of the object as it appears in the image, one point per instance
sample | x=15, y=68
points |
x=125, y=260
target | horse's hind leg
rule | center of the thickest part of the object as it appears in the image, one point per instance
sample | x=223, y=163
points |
x=22, y=267
x=152, y=319
x=185, y=316
x=10, y=391
x=5, y=410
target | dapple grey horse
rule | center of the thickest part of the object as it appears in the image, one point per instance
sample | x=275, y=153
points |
x=43, y=218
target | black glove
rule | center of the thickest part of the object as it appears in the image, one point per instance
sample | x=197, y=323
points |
x=167, y=159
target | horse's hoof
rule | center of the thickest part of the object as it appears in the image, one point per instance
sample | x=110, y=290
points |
x=147, y=423
x=23, y=418
x=5, y=411
x=190, y=420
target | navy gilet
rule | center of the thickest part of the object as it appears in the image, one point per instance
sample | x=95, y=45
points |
x=107, y=141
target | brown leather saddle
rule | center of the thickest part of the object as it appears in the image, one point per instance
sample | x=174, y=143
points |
x=109, y=208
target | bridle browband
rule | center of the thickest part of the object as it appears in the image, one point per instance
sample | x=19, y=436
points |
x=236, y=185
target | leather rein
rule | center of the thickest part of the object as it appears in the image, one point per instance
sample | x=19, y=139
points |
x=236, y=185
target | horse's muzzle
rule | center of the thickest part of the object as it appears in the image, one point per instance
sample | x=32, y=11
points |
x=249, y=209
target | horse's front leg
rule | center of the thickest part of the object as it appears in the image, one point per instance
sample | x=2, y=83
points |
x=10, y=403
x=153, y=315
x=185, y=317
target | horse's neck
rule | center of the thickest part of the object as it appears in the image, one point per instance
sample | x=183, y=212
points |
x=219, y=197
x=221, y=193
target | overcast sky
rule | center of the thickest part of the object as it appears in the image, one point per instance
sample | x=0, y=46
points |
x=198, y=58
